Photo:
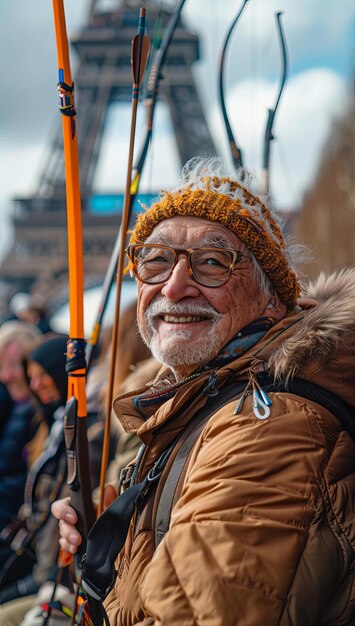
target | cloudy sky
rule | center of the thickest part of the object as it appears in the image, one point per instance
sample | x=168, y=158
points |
x=319, y=37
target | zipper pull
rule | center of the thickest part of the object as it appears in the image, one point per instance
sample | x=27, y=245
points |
x=265, y=398
x=211, y=388
x=240, y=402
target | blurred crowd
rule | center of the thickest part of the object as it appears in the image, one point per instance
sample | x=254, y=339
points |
x=33, y=394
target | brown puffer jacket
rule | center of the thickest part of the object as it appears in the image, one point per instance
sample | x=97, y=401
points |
x=263, y=532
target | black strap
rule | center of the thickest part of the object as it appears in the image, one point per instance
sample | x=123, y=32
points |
x=167, y=496
x=343, y=412
x=108, y=535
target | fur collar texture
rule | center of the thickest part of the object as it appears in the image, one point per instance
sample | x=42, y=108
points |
x=326, y=331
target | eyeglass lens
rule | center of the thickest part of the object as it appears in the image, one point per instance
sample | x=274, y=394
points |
x=210, y=267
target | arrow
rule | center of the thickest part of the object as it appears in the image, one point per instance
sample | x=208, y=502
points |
x=154, y=78
x=139, y=56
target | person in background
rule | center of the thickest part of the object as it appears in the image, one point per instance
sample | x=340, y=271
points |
x=20, y=418
x=30, y=308
x=47, y=375
x=47, y=380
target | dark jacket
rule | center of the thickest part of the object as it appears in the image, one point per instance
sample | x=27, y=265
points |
x=19, y=425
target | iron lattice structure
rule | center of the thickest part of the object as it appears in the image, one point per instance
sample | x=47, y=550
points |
x=38, y=259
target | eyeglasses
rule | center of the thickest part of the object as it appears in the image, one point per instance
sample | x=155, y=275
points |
x=210, y=267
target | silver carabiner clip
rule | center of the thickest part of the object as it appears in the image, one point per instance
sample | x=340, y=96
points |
x=259, y=404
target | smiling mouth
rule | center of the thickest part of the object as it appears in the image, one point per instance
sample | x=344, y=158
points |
x=179, y=319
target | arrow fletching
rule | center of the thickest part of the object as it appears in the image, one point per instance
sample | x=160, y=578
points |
x=140, y=52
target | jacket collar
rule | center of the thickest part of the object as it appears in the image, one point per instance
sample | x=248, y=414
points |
x=154, y=407
x=316, y=344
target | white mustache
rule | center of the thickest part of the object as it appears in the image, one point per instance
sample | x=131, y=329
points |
x=162, y=306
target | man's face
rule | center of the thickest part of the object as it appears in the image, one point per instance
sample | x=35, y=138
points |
x=186, y=324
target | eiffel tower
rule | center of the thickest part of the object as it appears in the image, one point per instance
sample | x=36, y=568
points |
x=38, y=259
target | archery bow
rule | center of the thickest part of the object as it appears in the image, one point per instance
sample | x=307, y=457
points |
x=154, y=78
x=75, y=412
x=139, y=55
x=235, y=150
x=272, y=112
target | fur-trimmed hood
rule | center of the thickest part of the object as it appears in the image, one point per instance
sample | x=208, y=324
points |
x=321, y=346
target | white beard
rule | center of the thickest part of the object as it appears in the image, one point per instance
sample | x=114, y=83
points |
x=179, y=352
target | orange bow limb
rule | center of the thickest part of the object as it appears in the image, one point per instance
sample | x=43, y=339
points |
x=75, y=413
x=75, y=252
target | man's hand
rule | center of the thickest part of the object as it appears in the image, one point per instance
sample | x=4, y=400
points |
x=70, y=538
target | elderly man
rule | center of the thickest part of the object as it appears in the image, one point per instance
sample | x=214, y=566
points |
x=252, y=520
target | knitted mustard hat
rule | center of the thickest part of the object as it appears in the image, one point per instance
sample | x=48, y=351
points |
x=243, y=213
